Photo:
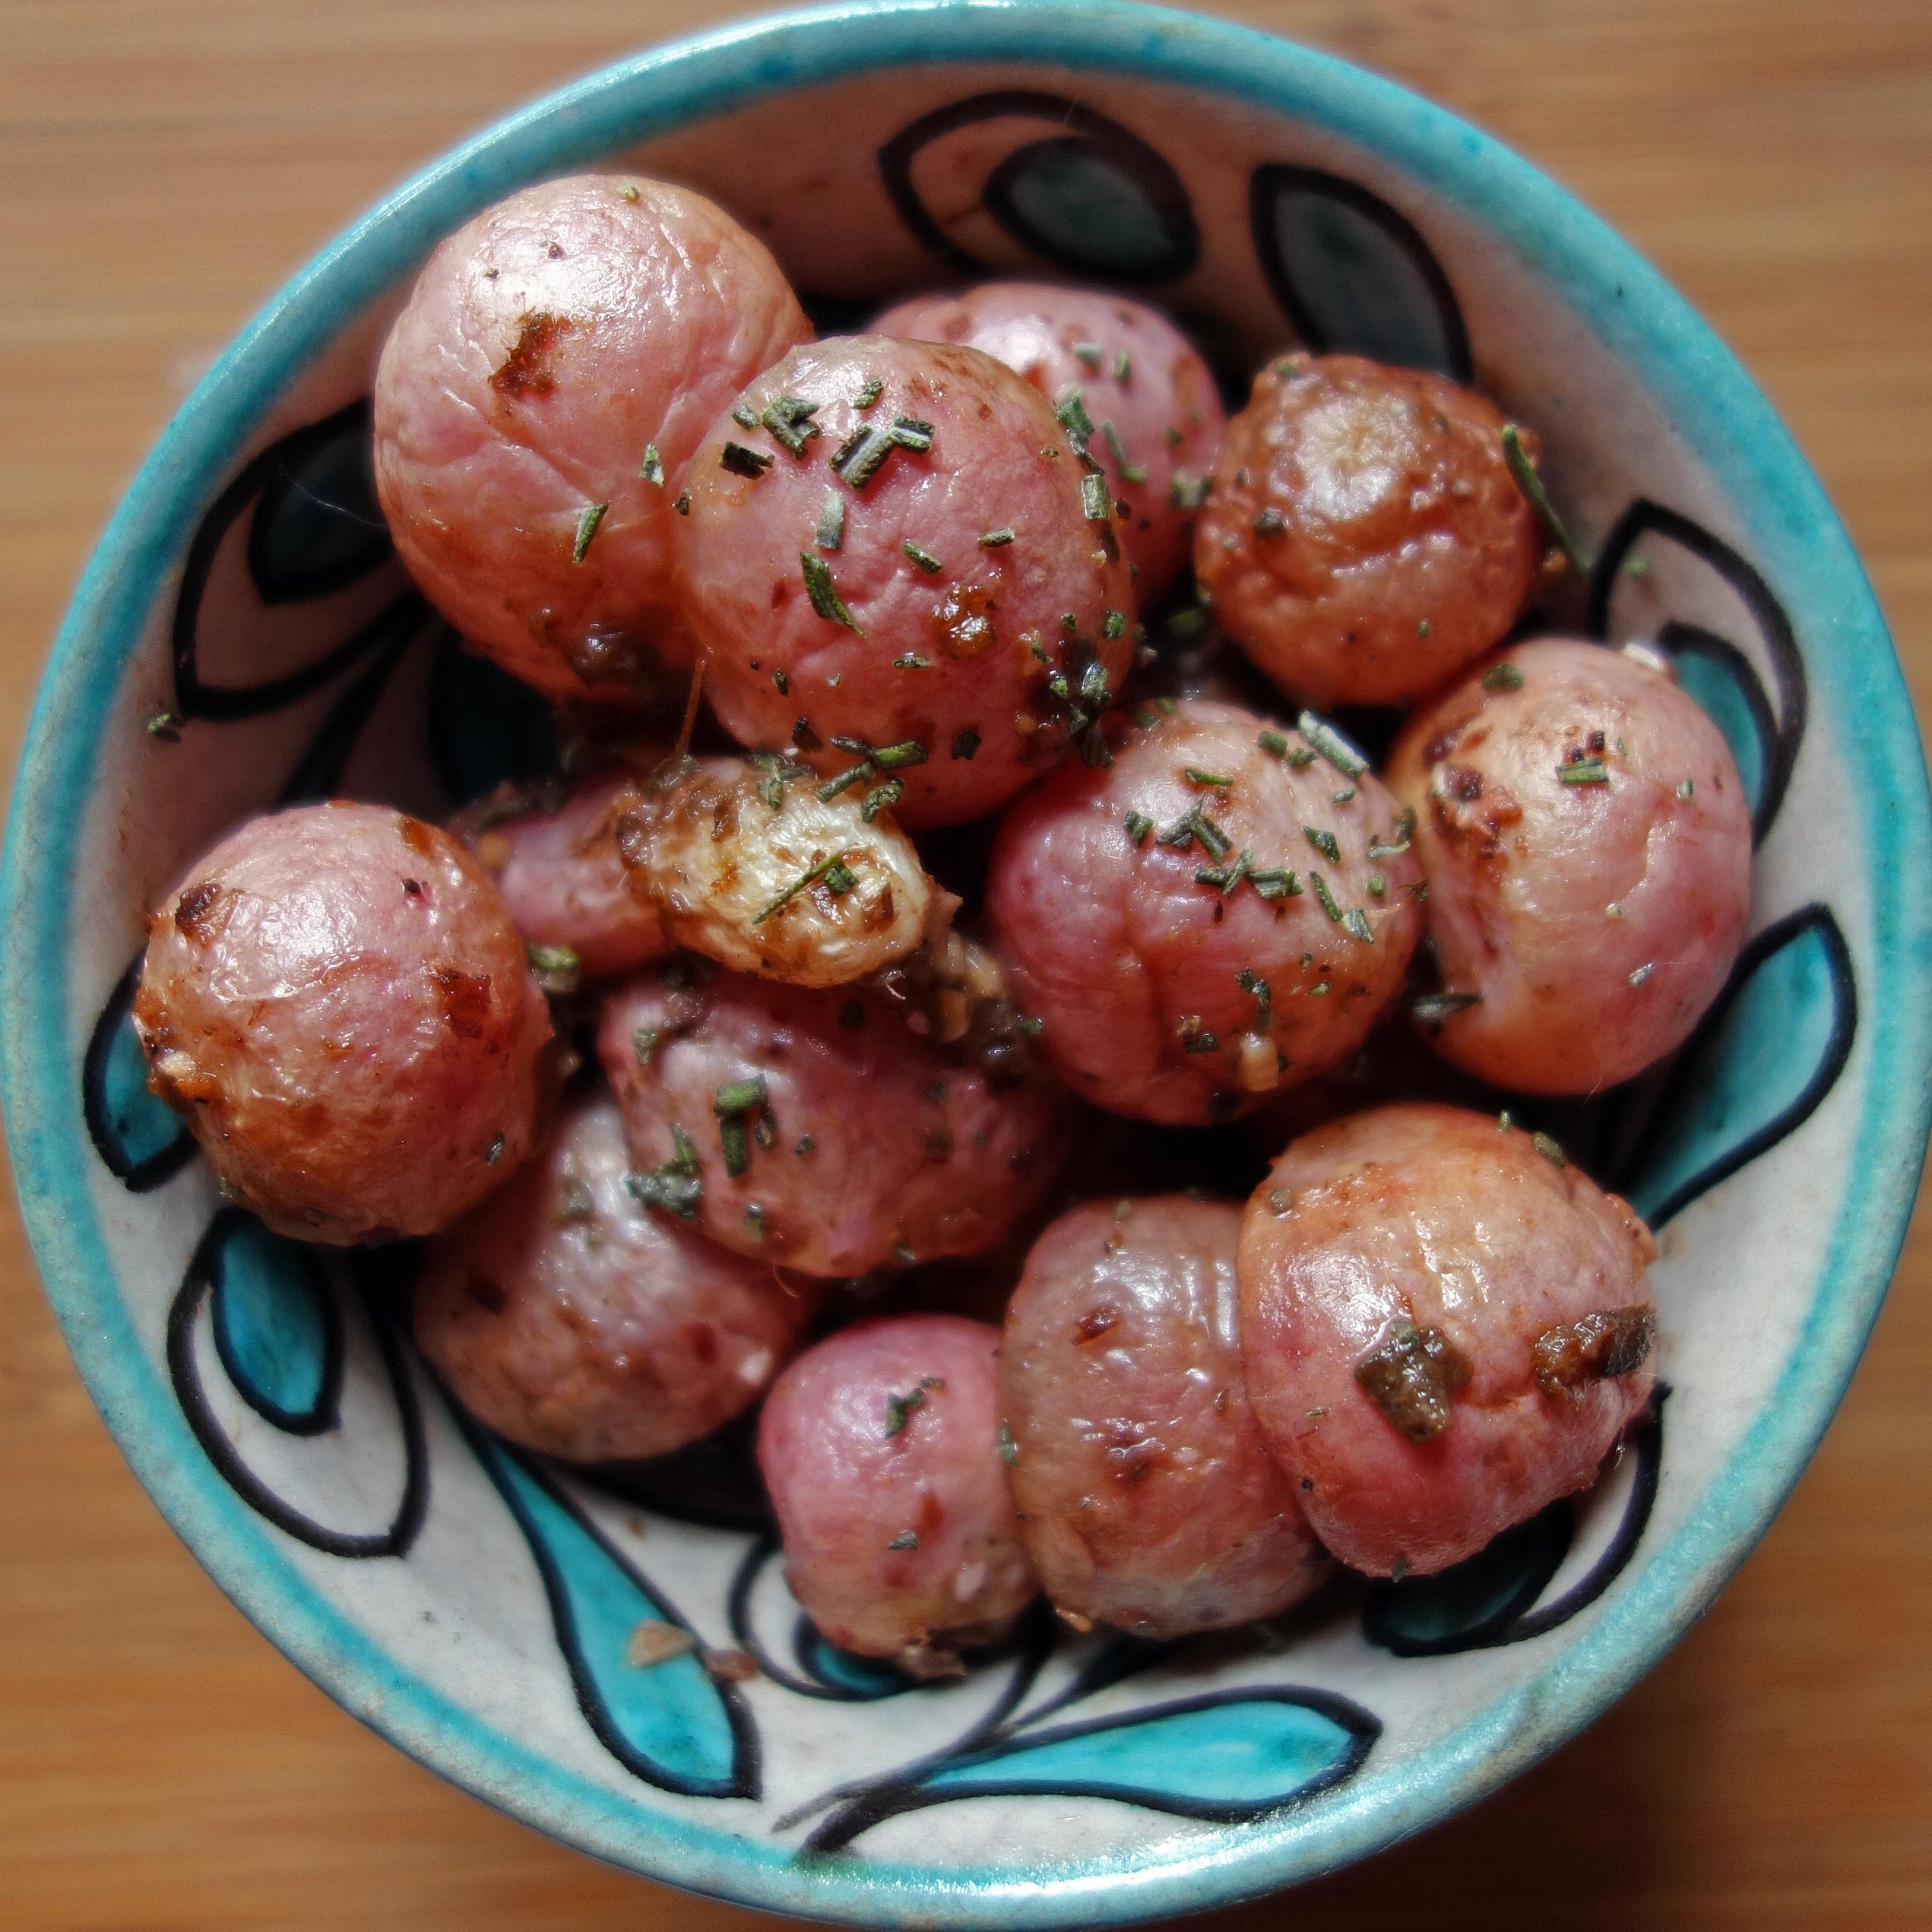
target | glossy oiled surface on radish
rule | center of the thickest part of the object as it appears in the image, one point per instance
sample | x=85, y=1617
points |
x=965, y=642
x=883, y=1149
x=880, y=1447
x=1150, y=1499
x=557, y=865
x=547, y=345
x=1364, y=538
x=564, y=1315
x=1134, y=962
x=1137, y=374
x=336, y=999
x=1587, y=844
x=1444, y=1219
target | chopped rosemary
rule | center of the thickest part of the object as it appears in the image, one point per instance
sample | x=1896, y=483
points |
x=996, y=540
x=880, y=797
x=652, y=469
x=1188, y=622
x=1009, y=1450
x=1342, y=797
x=1251, y=981
x=587, y=520
x=1269, y=522
x=824, y=593
x=781, y=683
x=1531, y=484
x=1096, y=499
x=1139, y=825
x=682, y=503
x=1070, y=411
x=644, y=1042
x=1092, y=353
x=1273, y=743
x=1502, y=677
x=675, y=1185
x=1355, y=922
x=1643, y=972
x=735, y=1144
x=1195, y=777
x=1324, y=842
x=1301, y=757
x=1331, y=745
x=789, y=418
x=838, y=878
x=1277, y=883
x=900, y=1409
x=1123, y=366
x=966, y=744
x=743, y=462
x=1377, y=884
x=857, y=459
x=909, y=433
x=1685, y=790
x=1133, y=473
x=922, y=557
x=740, y=1096
x=166, y=725
x=744, y=415
x=892, y=757
x=754, y=1221
x=1188, y=493
x=555, y=967
x=906, y=1539
x=1583, y=771
x=1549, y=1148
x=870, y=394
x=1398, y=840
x=1114, y=624
x=1327, y=898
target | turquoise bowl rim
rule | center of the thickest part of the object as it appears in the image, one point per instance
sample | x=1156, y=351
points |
x=1635, y=316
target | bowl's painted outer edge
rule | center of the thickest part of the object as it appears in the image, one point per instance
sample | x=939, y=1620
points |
x=1637, y=316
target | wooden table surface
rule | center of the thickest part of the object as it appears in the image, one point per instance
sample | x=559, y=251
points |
x=167, y=163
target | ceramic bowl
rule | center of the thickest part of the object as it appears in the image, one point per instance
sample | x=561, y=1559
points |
x=475, y=1605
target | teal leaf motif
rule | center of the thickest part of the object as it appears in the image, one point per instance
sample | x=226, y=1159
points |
x=672, y=1723
x=1460, y=1607
x=1719, y=677
x=1761, y=1061
x=1352, y=274
x=142, y=1140
x=1228, y=1755
x=277, y=1329
x=1071, y=200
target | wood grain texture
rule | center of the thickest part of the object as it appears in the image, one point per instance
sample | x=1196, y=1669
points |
x=167, y=163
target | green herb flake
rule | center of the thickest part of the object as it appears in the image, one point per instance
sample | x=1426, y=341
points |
x=869, y=393
x=831, y=532
x=1269, y=522
x=1324, y=842
x=1517, y=456
x=754, y=1221
x=675, y=1185
x=1188, y=493
x=744, y=415
x=1320, y=886
x=1070, y=411
x=857, y=459
x=1277, y=883
x=1377, y=884
x=966, y=744
x=838, y=875
x=900, y=1409
x=1355, y=922
x=1502, y=677
x=587, y=520
x=1139, y=825
x=1685, y=790
x=1009, y=1450
x=922, y=557
x=1123, y=366
x=1130, y=473
x=164, y=725
x=682, y=503
x=1196, y=777
x=740, y=1096
x=1092, y=353
x=1096, y=499
x=1433, y=1008
x=1114, y=624
x=555, y=967
x=996, y=539
x=893, y=757
x=652, y=469
x=881, y=797
x=1583, y=771
x=789, y=419
x=782, y=683
x=1185, y=624
x=1274, y=744
x=1331, y=745
x=911, y=660
x=908, y=432
x=743, y=462
x=1549, y=1148
x=1251, y=981
x=735, y=1144
x=1343, y=797
x=644, y=1042
x=824, y=593
x=906, y=1539
x=1643, y=972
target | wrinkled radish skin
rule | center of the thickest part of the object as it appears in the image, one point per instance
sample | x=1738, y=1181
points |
x=1136, y=373
x=882, y=1150
x=1444, y=1219
x=1596, y=921
x=880, y=1448
x=1364, y=539
x=954, y=662
x=336, y=999
x=1150, y=1501
x=1134, y=963
x=548, y=345
x=564, y=1315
